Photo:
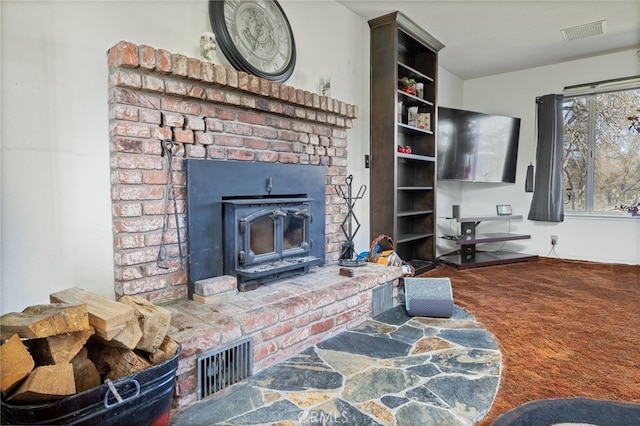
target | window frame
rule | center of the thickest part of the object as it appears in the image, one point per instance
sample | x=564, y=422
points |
x=591, y=90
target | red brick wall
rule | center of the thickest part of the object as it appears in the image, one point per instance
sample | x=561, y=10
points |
x=212, y=112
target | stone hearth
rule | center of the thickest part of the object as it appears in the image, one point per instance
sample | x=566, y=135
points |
x=282, y=318
x=391, y=370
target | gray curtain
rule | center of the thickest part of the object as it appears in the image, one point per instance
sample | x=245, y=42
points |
x=547, y=204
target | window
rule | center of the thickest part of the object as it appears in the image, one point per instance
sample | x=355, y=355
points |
x=602, y=149
x=263, y=238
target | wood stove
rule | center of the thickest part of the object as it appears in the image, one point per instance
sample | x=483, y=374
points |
x=256, y=221
x=267, y=238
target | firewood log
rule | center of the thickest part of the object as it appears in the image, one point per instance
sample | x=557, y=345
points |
x=58, y=349
x=15, y=363
x=166, y=350
x=107, y=316
x=45, y=320
x=46, y=383
x=85, y=373
x=154, y=322
x=116, y=363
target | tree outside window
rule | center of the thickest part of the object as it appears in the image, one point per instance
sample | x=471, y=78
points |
x=602, y=153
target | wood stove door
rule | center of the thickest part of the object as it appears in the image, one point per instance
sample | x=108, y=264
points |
x=262, y=233
x=258, y=237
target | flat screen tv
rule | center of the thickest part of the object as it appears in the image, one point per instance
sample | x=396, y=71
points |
x=477, y=147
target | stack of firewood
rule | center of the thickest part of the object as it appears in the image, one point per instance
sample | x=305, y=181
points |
x=77, y=342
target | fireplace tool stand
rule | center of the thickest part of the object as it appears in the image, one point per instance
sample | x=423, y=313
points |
x=347, y=253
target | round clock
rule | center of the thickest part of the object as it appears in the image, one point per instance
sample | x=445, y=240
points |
x=255, y=36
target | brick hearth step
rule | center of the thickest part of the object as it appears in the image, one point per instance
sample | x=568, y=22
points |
x=281, y=318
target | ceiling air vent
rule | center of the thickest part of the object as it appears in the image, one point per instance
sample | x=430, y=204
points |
x=585, y=30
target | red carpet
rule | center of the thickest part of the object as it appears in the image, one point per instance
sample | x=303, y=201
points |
x=565, y=328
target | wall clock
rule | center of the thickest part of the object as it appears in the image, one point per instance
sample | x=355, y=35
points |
x=255, y=36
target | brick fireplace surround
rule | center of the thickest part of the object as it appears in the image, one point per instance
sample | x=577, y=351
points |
x=215, y=112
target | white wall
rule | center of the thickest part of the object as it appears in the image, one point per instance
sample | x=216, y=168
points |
x=55, y=201
x=450, y=94
x=587, y=238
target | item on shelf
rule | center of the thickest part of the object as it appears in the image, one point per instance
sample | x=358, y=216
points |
x=401, y=149
x=413, y=116
x=399, y=112
x=208, y=46
x=389, y=258
x=407, y=85
x=255, y=37
x=324, y=87
x=407, y=149
x=383, y=251
x=420, y=90
x=503, y=209
x=407, y=270
x=424, y=121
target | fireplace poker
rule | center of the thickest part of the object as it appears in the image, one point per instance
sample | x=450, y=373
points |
x=168, y=146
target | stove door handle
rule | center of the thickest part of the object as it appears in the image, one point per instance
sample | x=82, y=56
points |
x=302, y=212
x=279, y=213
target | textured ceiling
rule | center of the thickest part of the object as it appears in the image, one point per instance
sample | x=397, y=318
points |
x=492, y=37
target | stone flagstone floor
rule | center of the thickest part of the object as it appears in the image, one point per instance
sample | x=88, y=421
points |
x=391, y=370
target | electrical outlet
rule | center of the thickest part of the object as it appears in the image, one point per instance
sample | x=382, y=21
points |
x=554, y=240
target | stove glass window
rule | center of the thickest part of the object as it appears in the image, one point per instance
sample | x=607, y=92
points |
x=263, y=236
x=294, y=232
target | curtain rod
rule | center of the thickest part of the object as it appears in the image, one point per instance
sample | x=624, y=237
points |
x=603, y=86
x=603, y=82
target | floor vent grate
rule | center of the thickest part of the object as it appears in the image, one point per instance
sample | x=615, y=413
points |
x=382, y=298
x=222, y=367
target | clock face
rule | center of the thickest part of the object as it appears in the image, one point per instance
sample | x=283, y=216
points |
x=255, y=36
